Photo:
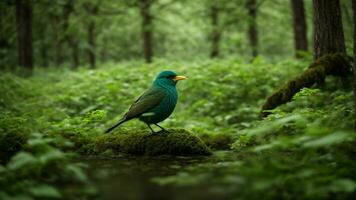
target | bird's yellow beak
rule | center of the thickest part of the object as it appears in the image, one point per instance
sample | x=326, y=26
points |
x=178, y=78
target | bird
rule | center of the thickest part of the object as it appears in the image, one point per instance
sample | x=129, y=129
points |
x=156, y=104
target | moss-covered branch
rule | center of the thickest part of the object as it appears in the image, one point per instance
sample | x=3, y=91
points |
x=333, y=64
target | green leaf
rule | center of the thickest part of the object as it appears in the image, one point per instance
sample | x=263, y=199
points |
x=4, y=196
x=331, y=139
x=272, y=126
x=265, y=146
x=39, y=141
x=77, y=172
x=20, y=160
x=343, y=185
x=52, y=155
x=45, y=191
x=2, y=169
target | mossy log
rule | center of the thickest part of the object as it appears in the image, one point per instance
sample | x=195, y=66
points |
x=333, y=64
x=173, y=142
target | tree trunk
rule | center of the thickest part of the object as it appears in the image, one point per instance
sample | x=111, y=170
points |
x=145, y=6
x=58, y=53
x=91, y=42
x=5, y=44
x=24, y=33
x=354, y=70
x=104, y=51
x=43, y=47
x=92, y=10
x=252, y=27
x=68, y=9
x=73, y=43
x=300, y=27
x=328, y=32
x=216, y=33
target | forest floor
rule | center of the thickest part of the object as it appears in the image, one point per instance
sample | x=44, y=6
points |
x=52, y=144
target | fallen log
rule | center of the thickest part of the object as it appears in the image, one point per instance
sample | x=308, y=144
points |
x=332, y=64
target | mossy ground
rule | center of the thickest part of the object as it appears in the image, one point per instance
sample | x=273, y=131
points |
x=218, y=141
x=171, y=142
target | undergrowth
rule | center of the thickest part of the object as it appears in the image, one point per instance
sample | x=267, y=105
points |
x=303, y=150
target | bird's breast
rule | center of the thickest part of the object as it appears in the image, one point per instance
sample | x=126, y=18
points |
x=168, y=103
x=165, y=108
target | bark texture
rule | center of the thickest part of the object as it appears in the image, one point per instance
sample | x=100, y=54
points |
x=252, y=27
x=216, y=32
x=299, y=26
x=72, y=42
x=24, y=33
x=328, y=30
x=354, y=69
x=92, y=10
x=147, y=32
x=91, y=41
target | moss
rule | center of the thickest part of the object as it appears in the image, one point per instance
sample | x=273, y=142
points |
x=174, y=142
x=218, y=141
x=333, y=64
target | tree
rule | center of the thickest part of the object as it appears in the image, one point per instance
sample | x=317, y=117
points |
x=328, y=30
x=6, y=37
x=56, y=41
x=147, y=29
x=251, y=6
x=354, y=70
x=329, y=52
x=224, y=16
x=73, y=43
x=92, y=10
x=300, y=27
x=24, y=33
x=61, y=14
x=216, y=32
x=67, y=10
x=91, y=42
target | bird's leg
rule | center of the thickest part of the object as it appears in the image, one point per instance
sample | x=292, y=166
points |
x=153, y=132
x=161, y=128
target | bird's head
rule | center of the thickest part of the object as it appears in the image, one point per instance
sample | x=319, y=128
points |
x=168, y=78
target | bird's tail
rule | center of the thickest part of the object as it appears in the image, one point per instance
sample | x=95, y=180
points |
x=116, y=125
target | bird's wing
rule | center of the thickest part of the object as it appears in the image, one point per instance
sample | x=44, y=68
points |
x=146, y=101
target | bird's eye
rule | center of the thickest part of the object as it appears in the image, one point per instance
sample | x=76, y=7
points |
x=171, y=76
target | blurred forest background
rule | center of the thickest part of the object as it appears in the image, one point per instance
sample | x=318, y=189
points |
x=76, y=33
x=271, y=93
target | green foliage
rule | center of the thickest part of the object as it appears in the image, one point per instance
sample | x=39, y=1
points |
x=303, y=148
x=34, y=172
x=32, y=164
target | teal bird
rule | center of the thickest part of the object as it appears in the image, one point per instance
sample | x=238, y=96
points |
x=157, y=103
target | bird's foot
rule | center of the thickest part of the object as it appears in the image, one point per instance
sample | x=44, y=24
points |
x=162, y=129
